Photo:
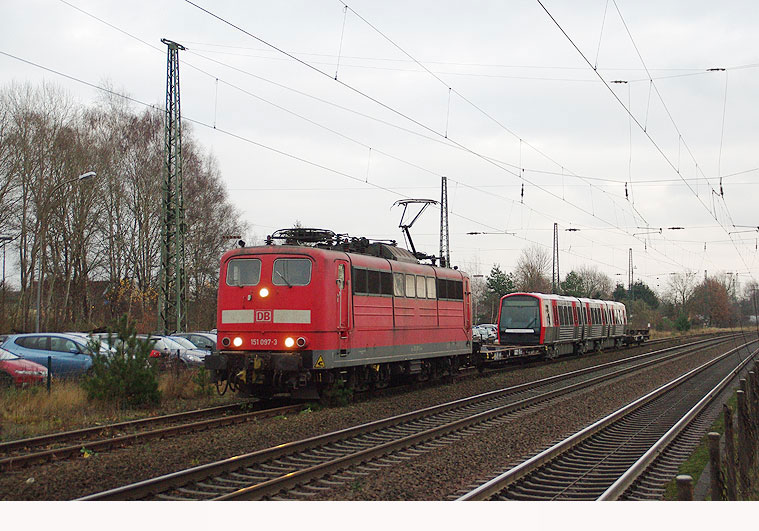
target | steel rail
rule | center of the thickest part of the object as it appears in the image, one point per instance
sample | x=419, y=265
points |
x=8, y=463
x=626, y=480
x=50, y=438
x=499, y=483
x=179, y=479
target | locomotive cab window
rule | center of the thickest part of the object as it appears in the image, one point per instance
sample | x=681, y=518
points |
x=291, y=272
x=243, y=272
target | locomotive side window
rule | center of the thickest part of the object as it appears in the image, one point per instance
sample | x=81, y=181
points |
x=410, y=286
x=399, y=284
x=450, y=289
x=373, y=286
x=431, y=293
x=386, y=283
x=359, y=280
x=372, y=282
x=291, y=272
x=243, y=272
x=442, y=288
x=421, y=288
x=458, y=290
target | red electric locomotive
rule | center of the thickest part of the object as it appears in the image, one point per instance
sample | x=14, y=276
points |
x=317, y=308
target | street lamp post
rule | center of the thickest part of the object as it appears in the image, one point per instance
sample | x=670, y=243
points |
x=5, y=239
x=57, y=187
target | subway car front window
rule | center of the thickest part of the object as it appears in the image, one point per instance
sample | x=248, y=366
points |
x=291, y=272
x=519, y=313
x=243, y=272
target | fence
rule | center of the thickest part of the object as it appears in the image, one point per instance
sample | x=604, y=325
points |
x=734, y=475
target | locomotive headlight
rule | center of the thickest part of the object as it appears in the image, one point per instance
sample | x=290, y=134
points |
x=264, y=292
x=289, y=342
x=237, y=341
x=301, y=342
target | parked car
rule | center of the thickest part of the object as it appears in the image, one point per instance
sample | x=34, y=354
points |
x=17, y=371
x=166, y=348
x=70, y=354
x=491, y=330
x=202, y=340
x=478, y=334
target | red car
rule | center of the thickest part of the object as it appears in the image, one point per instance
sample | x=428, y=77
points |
x=19, y=372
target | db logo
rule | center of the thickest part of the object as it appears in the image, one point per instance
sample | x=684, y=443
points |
x=263, y=316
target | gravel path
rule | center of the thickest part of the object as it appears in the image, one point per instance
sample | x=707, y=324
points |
x=71, y=479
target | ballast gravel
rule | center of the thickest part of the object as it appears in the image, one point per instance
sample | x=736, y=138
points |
x=435, y=475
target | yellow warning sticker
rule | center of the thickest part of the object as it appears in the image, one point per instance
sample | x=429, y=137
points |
x=319, y=363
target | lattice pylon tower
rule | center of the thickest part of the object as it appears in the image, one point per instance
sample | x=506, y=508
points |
x=445, y=245
x=172, y=304
x=556, y=278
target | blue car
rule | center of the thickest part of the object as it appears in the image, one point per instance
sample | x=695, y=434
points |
x=69, y=354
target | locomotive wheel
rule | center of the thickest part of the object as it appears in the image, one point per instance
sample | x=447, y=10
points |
x=382, y=377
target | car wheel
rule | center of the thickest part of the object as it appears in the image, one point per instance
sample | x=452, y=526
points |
x=6, y=380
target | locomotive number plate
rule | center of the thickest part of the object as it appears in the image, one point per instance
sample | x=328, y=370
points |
x=263, y=342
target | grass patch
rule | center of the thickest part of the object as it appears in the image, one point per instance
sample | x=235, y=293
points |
x=699, y=459
x=31, y=411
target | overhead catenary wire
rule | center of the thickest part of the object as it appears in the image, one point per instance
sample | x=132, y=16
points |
x=550, y=218
x=281, y=152
x=641, y=126
x=387, y=107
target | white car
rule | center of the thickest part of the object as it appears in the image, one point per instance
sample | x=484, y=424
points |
x=489, y=332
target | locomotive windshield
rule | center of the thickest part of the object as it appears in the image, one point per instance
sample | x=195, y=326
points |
x=243, y=272
x=519, y=312
x=291, y=272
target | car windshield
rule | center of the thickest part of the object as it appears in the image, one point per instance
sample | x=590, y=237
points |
x=186, y=343
x=519, y=312
x=168, y=343
x=7, y=356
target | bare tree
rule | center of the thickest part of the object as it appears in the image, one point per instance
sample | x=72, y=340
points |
x=596, y=284
x=96, y=245
x=531, y=272
x=680, y=288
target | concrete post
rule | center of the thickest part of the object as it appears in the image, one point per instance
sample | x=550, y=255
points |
x=715, y=466
x=744, y=447
x=730, y=481
x=684, y=487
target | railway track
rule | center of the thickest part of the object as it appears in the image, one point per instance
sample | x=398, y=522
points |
x=631, y=453
x=63, y=445
x=66, y=445
x=306, y=468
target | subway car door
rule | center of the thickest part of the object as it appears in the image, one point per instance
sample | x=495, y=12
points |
x=343, y=304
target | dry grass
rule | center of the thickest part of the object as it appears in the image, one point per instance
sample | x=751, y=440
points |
x=32, y=411
x=660, y=334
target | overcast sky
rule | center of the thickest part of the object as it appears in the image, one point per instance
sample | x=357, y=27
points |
x=492, y=95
